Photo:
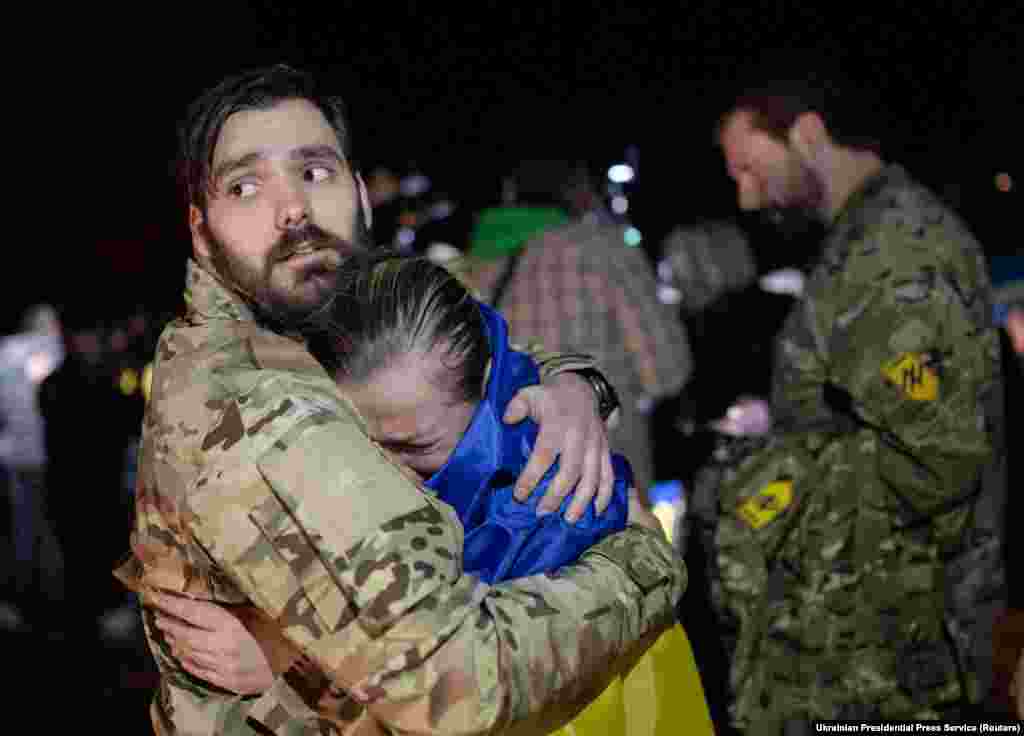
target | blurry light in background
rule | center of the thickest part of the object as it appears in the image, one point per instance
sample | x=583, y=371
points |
x=620, y=174
x=440, y=253
x=620, y=205
x=666, y=514
x=1003, y=182
x=442, y=209
x=665, y=270
x=129, y=381
x=414, y=185
x=669, y=294
x=405, y=237
x=632, y=237
x=668, y=502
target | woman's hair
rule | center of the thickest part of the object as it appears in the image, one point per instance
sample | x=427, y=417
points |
x=388, y=306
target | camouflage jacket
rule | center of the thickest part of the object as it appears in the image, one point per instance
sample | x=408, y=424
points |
x=259, y=486
x=836, y=539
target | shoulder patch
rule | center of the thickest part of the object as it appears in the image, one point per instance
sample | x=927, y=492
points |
x=911, y=374
x=766, y=504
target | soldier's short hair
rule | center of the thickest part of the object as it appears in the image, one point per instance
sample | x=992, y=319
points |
x=387, y=306
x=775, y=105
x=256, y=89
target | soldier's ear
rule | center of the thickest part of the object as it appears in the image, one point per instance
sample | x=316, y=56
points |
x=1015, y=328
x=808, y=134
x=200, y=242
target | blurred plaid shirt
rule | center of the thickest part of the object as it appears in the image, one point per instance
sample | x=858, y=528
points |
x=579, y=287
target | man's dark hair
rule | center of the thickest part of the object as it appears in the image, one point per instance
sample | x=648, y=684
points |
x=775, y=105
x=257, y=89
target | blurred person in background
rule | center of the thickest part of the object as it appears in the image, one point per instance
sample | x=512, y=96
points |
x=562, y=277
x=27, y=358
x=861, y=532
x=91, y=424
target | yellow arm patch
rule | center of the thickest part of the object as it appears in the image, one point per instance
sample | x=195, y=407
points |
x=767, y=503
x=910, y=374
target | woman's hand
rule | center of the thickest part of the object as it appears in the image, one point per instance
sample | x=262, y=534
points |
x=211, y=643
x=571, y=430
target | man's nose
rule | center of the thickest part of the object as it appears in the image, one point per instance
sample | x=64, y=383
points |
x=293, y=208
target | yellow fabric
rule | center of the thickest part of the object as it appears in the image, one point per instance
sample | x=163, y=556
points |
x=661, y=696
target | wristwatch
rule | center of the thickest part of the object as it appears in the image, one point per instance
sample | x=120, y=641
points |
x=607, y=399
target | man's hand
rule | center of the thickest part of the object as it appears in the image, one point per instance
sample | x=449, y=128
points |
x=565, y=409
x=211, y=643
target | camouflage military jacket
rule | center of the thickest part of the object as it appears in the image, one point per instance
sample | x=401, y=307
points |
x=258, y=485
x=834, y=539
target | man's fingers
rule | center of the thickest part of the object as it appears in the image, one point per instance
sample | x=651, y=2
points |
x=187, y=635
x=209, y=674
x=540, y=460
x=201, y=659
x=521, y=405
x=198, y=613
x=587, y=488
x=604, y=493
x=570, y=468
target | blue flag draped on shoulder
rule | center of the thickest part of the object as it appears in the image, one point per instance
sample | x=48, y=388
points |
x=504, y=538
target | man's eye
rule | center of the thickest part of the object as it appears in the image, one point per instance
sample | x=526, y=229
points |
x=318, y=174
x=242, y=189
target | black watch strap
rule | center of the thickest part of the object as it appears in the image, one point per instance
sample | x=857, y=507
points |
x=607, y=399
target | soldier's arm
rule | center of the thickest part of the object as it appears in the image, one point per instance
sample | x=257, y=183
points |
x=361, y=570
x=911, y=346
x=800, y=369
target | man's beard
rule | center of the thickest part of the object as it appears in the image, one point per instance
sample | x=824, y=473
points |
x=310, y=287
x=800, y=208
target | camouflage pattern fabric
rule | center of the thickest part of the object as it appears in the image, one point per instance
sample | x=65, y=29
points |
x=856, y=549
x=259, y=486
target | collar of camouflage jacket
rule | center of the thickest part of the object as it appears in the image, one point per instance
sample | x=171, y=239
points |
x=888, y=176
x=208, y=297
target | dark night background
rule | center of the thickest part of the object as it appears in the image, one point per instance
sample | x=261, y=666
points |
x=464, y=94
x=461, y=96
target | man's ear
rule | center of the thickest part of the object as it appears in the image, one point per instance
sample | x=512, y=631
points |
x=200, y=243
x=808, y=134
x=364, y=197
x=1015, y=328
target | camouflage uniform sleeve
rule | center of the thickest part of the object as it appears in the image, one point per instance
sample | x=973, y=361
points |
x=904, y=325
x=362, y=571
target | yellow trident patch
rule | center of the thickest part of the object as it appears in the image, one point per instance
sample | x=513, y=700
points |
x=767, y=503
x=911, y=375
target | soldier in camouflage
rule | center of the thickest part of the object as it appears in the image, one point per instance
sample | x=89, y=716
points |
x=857, y=549
x=258, y=485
